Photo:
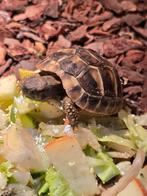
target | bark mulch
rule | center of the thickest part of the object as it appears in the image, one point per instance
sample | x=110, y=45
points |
x=116, y=29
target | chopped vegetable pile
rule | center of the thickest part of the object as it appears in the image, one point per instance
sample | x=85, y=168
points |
x=39, y=155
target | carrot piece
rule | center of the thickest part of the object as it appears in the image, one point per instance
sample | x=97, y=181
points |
x=56, y=141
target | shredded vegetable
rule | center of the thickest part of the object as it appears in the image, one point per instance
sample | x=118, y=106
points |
x=129, y=175
x=55, y=184
x=103, y=165
x=39, y=155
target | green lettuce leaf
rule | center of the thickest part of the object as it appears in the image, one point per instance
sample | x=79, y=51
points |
x=55, y=184
x=103, y=165
x=25, y=119
x=115, y=139
x=5, y=168
x=137, y=133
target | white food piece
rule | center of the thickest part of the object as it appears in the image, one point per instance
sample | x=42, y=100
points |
x=24, y=105
x=123, y=166
x=83, y=135
x=20, y=148
x=22, y=177
x=22, y=190
x=7, y=87
x=143, y=176
x=3, y=120
x=3, y=181
x=51, y=109
x=134, y=188
x=68, y=158
x=86, y=137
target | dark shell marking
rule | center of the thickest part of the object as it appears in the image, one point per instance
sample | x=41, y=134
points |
x=89, y=80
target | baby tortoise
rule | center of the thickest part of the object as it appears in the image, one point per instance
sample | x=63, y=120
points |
x=81, y=78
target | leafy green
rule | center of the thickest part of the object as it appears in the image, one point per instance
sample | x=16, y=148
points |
x=12, y=113
x=5, y=168
x=116, y=139
x=56, y=184
x=44, y=189
x=25, y=119
x=137, y=133
x=103, y=165
x=24, y=105
x=37, y=174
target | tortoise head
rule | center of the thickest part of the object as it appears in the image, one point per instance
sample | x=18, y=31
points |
x=41, y=88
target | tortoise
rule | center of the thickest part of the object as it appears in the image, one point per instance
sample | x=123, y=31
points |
x=81, y=78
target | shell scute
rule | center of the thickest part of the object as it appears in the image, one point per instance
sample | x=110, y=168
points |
x=86, y=57
x=89, y=80
x=73, y=65
x=88, y=83
x=75, y=92
x=109, y=84
x=82, y=101
x=92, y=103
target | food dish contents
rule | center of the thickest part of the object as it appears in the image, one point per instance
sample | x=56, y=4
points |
x=39, y=155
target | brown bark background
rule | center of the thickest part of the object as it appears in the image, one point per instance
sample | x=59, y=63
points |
x=116, y=29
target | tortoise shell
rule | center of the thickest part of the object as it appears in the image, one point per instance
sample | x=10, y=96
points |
x=89, y=80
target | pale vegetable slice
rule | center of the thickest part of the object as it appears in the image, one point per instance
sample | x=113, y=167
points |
x=68, y=158
x=48, y=110
x=3, y=120
x=134, y=188
x=141, y=120
x=83, y=135
x=137, y=133
x=129, y=175
x=20, y=148
x=24, y=105
x=118, y=143
x=3, y=181
x=52, y=130
x=86, y=137
x=21, y=190
x=119, y=155
x=8, y=89
x=123, y=166
x=51, y=109
x=103, y=165
x=39, y=110
x=115, y=139
x=143, y=176
x=22, y=177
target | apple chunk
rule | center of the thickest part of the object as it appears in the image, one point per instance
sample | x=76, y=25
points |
x=134, y=188
x=19, y=148
x=143, y=176
x=7, y=87
x=68, y=158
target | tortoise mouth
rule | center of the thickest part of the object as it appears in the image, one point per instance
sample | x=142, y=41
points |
x=42, y=88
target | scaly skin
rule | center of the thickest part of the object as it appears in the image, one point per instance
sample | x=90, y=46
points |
x=71, y=111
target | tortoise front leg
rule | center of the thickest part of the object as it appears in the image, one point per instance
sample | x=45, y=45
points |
x=71, y=112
